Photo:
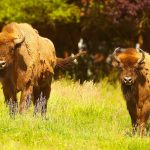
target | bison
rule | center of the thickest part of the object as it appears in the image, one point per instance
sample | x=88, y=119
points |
x=27, y=63
x=134, y=67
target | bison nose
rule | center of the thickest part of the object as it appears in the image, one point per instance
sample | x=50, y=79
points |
x=2, y=64
x=127, y=80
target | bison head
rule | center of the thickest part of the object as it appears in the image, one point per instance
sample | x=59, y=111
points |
x=129, y=61
x=8, y=44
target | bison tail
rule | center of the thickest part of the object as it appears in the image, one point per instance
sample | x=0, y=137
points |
x=65, y=63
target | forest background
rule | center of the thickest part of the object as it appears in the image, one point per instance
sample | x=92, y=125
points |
x=102, y=24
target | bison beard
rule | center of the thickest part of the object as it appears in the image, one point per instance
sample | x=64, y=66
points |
x=30, y=61
x=130, y=94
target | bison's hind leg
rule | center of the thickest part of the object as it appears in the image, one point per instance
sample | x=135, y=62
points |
x=46, y=93
x=26, y=98
x=41, y=96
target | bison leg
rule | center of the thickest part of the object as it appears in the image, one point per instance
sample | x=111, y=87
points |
x=133, y=114
x=41, y=96
x=25, y=100
x=10, y=98
x=36, y=95
x=145, y=111
x=46, y=93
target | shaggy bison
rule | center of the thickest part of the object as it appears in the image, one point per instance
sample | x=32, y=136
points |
x=27, y=63
x=134, y=66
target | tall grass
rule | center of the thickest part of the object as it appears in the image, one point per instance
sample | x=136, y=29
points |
x=79, y=117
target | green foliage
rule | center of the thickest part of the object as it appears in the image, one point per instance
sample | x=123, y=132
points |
x=38, y=11
x=79, y=117
x=64, y=12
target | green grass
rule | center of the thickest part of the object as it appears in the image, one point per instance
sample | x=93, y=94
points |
x=80, y=117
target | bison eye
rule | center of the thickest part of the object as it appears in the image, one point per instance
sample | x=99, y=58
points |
x=12, y=48
x=138, y=68
x=120, y=68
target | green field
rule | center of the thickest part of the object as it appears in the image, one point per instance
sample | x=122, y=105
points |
x=80, y=117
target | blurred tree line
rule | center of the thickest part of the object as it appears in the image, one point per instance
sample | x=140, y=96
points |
x=102, y=24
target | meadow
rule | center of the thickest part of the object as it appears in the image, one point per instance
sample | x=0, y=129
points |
x=79, y=117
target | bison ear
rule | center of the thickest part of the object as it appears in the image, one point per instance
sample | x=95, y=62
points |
x=19, y=40
x=112, y=61
x=115, y=63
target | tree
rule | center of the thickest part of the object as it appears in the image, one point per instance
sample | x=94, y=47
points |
x=134, y=13
x=38, y=10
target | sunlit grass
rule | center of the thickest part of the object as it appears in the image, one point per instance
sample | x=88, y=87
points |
x=87, y=117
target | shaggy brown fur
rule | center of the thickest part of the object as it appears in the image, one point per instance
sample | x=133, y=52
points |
x=137, y=95
x=29, y=66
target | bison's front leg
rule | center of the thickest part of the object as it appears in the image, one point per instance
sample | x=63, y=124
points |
x=131, y=106
x=10, y=97
x=144, y=115
x=25, y=100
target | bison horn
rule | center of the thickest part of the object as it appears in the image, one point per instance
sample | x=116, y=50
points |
x=19, y=39
x=114, y=54
x=143, y=55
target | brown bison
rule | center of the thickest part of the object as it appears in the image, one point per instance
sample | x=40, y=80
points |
x=134, y=66
x=27, y=63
